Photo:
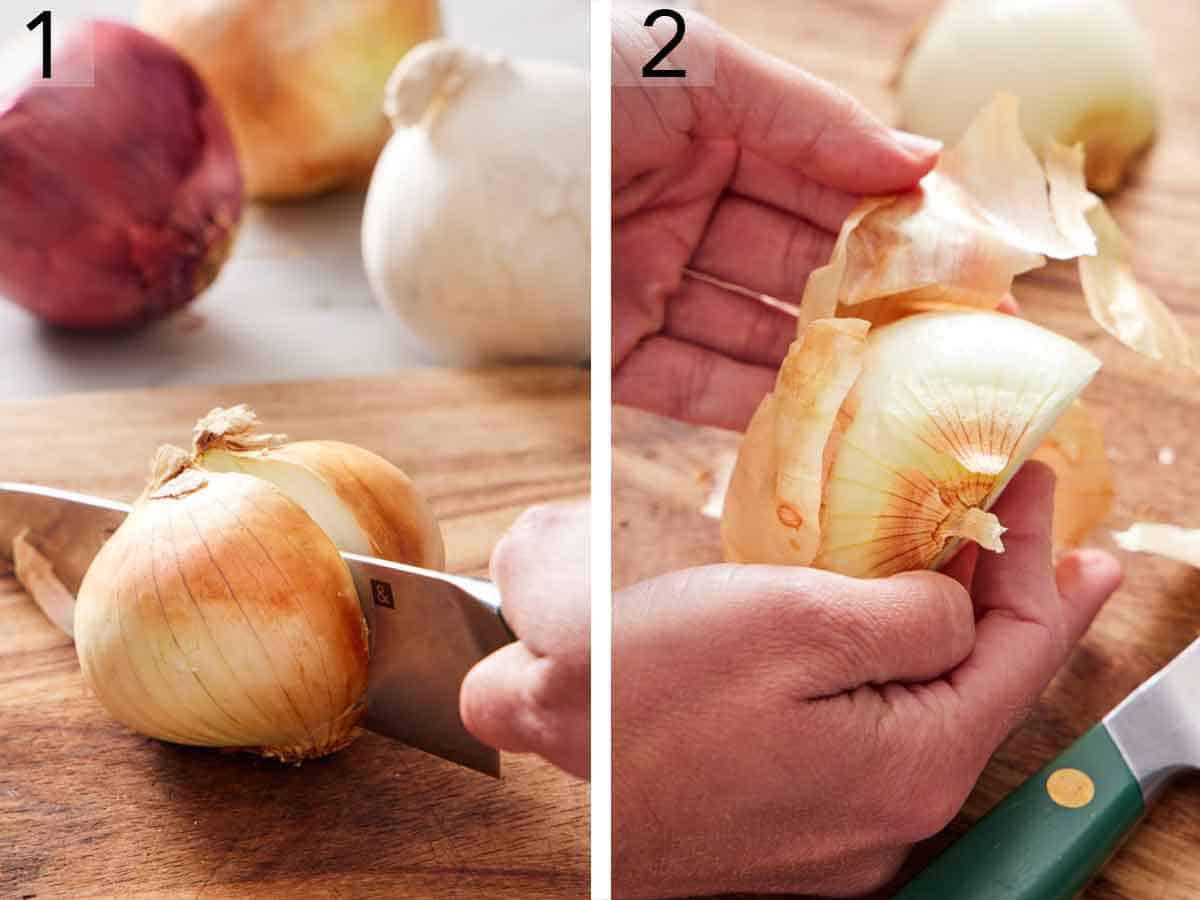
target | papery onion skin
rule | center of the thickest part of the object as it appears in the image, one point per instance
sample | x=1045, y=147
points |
x=790, y=443
x=990, y=210
x=119, y=202
x=220, y=615
x=301, y=82
x=1082, y=68
x=1162, y=539
x=987, y=212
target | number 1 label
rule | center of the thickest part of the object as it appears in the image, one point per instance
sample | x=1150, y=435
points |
x=43, y=18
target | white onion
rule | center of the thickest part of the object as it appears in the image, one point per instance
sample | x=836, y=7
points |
x=476, y=225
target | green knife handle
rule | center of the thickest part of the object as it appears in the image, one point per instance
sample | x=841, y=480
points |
x=1046, y=839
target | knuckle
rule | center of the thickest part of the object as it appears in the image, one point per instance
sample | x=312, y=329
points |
x=548, y=714
x=506, y=559
x=946, y=605
x=520, y=544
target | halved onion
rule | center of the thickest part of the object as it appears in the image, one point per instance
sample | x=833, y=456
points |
x=946, y=409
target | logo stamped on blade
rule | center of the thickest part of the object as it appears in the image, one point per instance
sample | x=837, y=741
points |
x=381, y=593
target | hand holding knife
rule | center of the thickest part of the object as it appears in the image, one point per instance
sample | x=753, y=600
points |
x=427, y=628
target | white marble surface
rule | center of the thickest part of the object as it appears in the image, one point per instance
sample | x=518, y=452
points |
x=292, y=302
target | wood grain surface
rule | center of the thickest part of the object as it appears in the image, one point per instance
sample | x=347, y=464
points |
x=663, y=470
x=91, y=809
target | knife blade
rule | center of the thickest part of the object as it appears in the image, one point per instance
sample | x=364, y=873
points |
x=1050, y=836
x=427, y=629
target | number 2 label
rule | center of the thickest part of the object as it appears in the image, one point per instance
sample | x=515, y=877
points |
x=649, y=70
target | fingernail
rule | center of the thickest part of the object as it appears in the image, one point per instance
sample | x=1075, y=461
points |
x=917, y=144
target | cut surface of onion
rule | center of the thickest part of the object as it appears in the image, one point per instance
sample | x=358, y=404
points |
x=947, y=407
x=363, y=502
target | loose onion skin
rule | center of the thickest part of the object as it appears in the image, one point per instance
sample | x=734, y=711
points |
x=118, y=202
x=301, y=82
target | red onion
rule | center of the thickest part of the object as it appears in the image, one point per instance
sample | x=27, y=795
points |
x=118, y=202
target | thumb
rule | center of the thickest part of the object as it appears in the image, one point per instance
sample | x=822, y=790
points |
x=1030, y=615
x=519, y=702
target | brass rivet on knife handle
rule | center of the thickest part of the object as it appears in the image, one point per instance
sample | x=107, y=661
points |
x=1071, y=788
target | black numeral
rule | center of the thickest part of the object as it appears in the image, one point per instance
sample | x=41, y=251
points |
x=649, y=70
x=43, y=18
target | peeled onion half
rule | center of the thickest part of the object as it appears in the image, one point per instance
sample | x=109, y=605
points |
x=881, y=451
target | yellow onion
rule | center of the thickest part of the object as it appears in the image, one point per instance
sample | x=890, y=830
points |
x=879, y=453
x=301, y=83
x=221, y=614
x=907, y=403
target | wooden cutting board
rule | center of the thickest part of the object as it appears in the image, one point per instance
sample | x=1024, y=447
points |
x=90, y=809
x=663, y=471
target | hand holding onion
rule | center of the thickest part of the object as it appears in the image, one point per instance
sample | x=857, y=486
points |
x=834, y=721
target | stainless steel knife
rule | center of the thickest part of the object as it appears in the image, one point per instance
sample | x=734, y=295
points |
x=427, y=628
x=1050, y=836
